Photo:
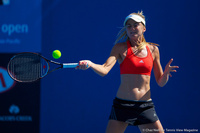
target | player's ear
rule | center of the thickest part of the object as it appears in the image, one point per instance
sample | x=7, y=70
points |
x=144, y=29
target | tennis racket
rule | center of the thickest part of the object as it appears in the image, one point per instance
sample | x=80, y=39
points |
x=29, y=66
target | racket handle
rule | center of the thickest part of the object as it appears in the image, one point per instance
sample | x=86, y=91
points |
x=70, y=65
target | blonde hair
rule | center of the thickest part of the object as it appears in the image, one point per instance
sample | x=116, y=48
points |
x=122, y=35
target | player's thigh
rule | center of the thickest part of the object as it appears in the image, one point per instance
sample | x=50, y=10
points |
x=115, y=126
x=155, y=127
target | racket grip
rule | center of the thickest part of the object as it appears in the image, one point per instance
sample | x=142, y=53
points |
x=70, y=65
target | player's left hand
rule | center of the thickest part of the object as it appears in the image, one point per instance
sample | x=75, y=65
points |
x=169, y=68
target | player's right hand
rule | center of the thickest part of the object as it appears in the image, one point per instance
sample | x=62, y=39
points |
x=84, y=64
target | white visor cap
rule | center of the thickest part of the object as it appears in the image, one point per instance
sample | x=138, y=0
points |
x=136, y=18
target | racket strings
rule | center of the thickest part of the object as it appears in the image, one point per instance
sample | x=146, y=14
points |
x=28, y=67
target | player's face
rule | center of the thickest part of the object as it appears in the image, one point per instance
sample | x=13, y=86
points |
x=134, y=29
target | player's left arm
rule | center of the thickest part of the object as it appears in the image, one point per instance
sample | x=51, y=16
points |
x=160, y=76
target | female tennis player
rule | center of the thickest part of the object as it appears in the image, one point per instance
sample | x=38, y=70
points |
x=133, y=104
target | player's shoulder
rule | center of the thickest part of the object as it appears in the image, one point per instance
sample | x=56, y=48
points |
x=153, y=47
x=121, y=45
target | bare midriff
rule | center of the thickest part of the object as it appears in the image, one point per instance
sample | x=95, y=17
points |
x=134, y=87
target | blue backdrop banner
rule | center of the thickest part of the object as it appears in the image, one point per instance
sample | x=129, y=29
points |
x=20, y=31
x=20, y=26
x=20, y=102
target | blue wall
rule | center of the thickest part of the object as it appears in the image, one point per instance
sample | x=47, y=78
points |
x=80, y=101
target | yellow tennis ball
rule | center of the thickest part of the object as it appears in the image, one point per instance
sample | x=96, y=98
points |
x=56, y=54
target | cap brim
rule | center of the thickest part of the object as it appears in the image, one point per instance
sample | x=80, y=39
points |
x=136, y=18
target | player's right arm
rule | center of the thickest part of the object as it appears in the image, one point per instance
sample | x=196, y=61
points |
x=103, y=69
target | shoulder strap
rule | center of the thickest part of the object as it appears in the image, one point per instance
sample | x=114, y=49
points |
x=129, y=50
x=148, y=50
